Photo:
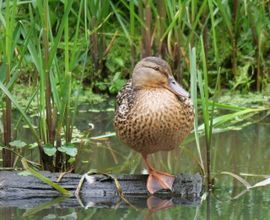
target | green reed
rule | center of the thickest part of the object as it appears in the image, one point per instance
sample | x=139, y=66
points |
x=204, y=107
x=8, y=50
x=54, y=91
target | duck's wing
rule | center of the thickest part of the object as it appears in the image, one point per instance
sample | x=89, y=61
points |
x=125, y=99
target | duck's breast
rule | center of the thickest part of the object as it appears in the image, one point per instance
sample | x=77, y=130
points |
x=157, y=121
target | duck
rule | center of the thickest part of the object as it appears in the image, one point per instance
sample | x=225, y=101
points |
x=153, y=113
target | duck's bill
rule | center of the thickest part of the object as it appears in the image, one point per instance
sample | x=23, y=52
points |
x=175, y=87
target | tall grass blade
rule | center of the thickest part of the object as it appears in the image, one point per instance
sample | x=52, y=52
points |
x=193, y=83
x=26, y=118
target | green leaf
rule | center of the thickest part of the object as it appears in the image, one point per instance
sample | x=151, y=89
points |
x=17, y=144
x=72, y=160
x=119, y=61
x=33, y=145
x=49, y=150
x=69, y=149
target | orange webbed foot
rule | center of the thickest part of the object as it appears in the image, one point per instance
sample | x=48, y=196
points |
x=155, y=204
x=158, y=180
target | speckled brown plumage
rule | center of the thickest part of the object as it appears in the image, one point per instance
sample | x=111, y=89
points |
x=152, y=119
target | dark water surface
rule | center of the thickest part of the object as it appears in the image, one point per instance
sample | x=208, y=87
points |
x=239, y=151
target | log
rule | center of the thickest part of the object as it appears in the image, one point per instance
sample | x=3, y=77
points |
x=97, y=190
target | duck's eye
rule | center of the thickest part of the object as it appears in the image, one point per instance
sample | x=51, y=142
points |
x=156, y=68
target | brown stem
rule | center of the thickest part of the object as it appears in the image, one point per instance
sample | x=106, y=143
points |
x=208, y=207
x=205, y=37
x=94, y=45
x=234, y=37
x=177, y=62
x=7, y=133
x=48, y=96
x=7, y=157
x=255, y=40
x=59, y=156
x=47, y=78
x=258, y=72
x=132, y=55
x=208, y=166
x=160, y=31
x=146, y=32
x=234, y=56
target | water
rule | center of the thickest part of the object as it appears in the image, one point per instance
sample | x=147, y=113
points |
x=243, y=151
x=252, y=205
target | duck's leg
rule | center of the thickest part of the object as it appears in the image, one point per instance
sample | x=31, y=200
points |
x=157, y=180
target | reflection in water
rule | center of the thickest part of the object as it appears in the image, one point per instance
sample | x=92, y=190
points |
x=252, y=205
x=208, y=206
x=243, y=151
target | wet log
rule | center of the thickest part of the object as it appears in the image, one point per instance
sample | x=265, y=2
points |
x=97, y=190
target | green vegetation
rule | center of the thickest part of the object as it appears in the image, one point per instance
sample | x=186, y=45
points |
x=54, y=53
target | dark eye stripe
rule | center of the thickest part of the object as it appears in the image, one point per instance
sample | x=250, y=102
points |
x=158, y=69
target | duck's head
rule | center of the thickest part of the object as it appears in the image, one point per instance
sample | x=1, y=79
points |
x=154, y=72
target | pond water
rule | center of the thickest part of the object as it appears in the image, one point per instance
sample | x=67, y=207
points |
x=243, y=151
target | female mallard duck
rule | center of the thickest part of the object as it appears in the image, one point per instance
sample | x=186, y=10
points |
x=153, y=113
